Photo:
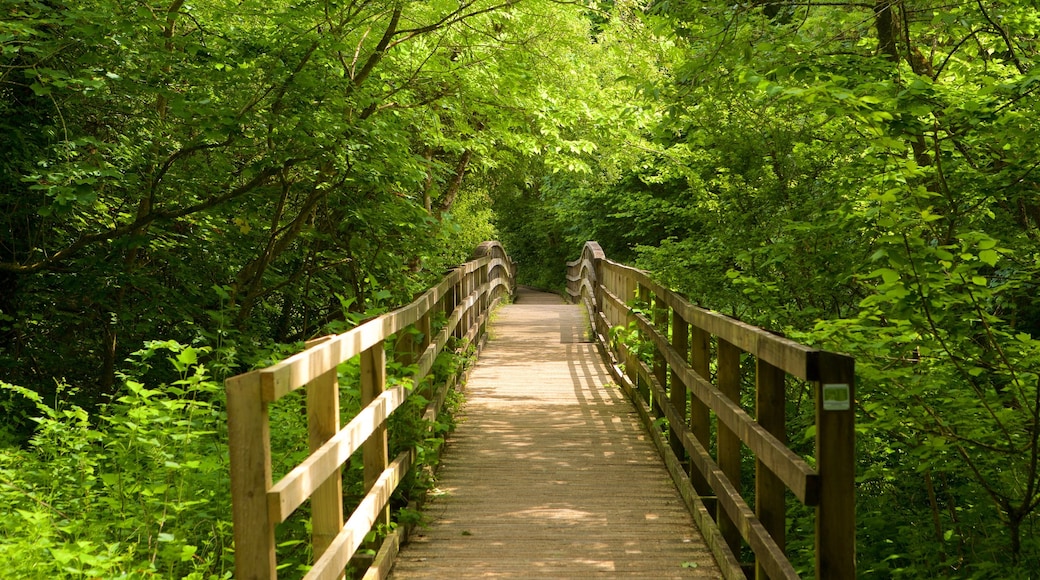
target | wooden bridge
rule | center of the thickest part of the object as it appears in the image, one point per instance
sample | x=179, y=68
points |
x=599, y=441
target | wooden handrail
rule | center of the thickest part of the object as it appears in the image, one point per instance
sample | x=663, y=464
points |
x=467, y=295
x=677, y=386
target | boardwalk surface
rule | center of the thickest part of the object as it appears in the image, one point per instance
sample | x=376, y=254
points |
x=549, y=474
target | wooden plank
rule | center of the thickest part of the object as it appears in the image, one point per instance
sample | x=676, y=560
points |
x=497, y=286
x=836, y=462
x=433, y=349
x=796, y=359
x=772, y=557
x=322, y=425
x=728, y=563
x=727, y=441
x=771, y=414
x=301, y=368
x=375, y=450
x=361, y=521
x=257, y=505
x=801, y=479
x=580, y=446
x=384, y=559
x=299, y=484
x=249, y=446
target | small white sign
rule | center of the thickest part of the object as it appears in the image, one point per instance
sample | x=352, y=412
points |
x=836, y=397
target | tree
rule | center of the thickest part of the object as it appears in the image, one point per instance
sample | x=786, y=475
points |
x=865, y=171
x=219, y=175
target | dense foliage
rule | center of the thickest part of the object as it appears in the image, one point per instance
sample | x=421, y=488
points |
x=230, y=180
x=234, y=175
x=858, y=175
x=863, y=176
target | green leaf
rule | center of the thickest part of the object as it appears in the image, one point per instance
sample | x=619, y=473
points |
x=188, y=357
x=989, y=257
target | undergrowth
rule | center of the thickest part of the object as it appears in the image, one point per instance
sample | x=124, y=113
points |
x=139, y=488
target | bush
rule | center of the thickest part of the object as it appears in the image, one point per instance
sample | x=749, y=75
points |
x=138, y=490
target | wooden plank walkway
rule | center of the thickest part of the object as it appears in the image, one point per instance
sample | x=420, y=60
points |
x=549, y=474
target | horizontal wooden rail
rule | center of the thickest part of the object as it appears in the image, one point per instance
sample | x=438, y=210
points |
x=675, y=383
x=466, y=295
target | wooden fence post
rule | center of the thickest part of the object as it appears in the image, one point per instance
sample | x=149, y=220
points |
x=322, y=425
x=676, y=388
x=728, y=381
x=610, y=282
x=483, y=278
x=249, y=446
x=700, y=418
x=643, y=296
x=375, y=451
x=597, y=294
x=631, y=360
x=451, y=300
x=660, y=313
x=836, y=464
x=467, y=288
x=770, y=413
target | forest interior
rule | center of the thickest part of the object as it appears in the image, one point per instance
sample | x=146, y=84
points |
x=190, y=190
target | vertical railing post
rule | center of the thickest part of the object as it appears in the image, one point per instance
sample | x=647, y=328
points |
x=408, y=349
x=485, y=298
x=451, y=301
x=620, y=288
x=631, y=359
x=249, y=447
x=676, y=387
x=836, y=464
x=660, y=368
x=424, y=327
x=322, y=425
x=728, y=381
x=700, y=418
x=405, y=348
x=471, y=312
x=463, y=295
x=375, y=452
x=770, y=413
x=597, y=294
x=644, y=298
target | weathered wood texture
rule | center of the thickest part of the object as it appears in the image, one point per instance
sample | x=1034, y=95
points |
x=550, y=473
x=466, y=295
x=620, y=296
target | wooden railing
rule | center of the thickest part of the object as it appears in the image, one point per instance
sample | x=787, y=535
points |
x=677, y=386
x=465, y=296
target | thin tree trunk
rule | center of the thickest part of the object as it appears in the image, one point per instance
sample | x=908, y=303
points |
x=456, y=182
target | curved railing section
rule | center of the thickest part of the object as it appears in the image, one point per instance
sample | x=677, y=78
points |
x=688, y=344
x=466, y=297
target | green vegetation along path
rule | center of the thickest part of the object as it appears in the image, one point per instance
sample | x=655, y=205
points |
x=550, y=474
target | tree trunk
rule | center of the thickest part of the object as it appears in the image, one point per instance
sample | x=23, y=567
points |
x=456, y=182
x=887, y=29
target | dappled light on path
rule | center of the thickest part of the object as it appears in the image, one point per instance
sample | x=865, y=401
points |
x=550, y=474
